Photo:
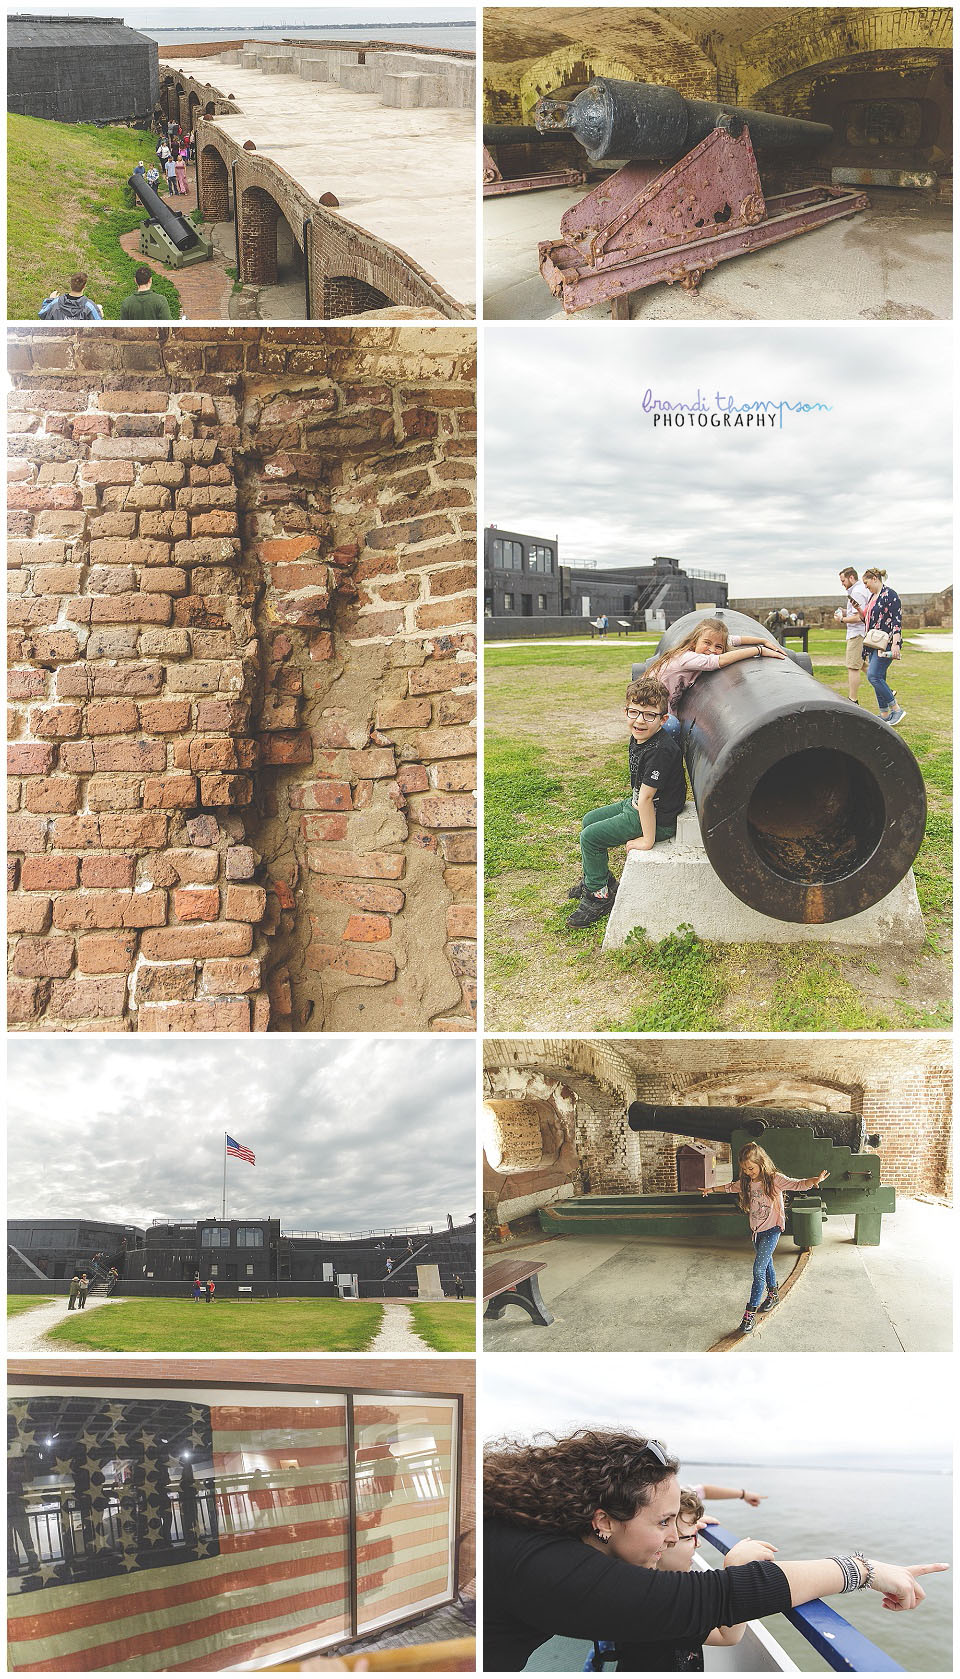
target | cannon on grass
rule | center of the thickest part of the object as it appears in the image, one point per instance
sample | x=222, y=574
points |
x=811, y=809
x=688, y=196
x=166, y=235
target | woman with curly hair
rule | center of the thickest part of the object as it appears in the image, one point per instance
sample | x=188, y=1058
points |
x=574, y=1529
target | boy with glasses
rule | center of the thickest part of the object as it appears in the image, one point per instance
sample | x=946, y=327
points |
x=658, y=793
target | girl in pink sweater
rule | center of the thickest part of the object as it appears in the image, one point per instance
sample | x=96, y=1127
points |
x=760, y=1187
x=709, y=647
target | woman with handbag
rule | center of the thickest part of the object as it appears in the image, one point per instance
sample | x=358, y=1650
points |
x=882, y=642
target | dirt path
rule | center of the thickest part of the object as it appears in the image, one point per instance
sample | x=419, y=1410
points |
x=26, y=1333
x=396, y=1334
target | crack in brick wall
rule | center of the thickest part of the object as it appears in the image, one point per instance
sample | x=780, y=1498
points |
x=243, y=646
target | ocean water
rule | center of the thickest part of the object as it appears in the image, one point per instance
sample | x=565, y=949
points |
x=463, y=36
x=903, y=1518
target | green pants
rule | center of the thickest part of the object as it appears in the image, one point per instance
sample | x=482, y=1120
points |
x=602, y=829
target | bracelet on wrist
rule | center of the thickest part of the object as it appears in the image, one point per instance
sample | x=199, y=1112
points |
x=852, y=1581
x=870, y=1570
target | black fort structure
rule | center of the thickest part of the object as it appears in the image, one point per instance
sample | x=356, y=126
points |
x=76, y=69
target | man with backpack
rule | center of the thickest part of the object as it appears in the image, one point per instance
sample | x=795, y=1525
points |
x=70, y=305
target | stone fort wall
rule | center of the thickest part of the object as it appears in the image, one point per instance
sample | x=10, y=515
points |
x=348, y=270
x=242, y=618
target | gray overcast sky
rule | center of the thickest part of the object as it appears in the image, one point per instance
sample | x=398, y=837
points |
x=569, y=450
x=349, y=1133
x=225, y=17
x=709, y=1409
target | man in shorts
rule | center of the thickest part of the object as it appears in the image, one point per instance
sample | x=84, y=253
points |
x=858, y=599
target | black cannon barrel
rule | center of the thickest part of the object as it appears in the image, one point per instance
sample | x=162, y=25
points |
x=719, y=1124
x=811, y=809
x=640, y=120
x=174, y=225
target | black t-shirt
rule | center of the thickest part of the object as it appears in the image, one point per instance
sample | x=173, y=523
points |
x=544, y=1585
x=658, y=763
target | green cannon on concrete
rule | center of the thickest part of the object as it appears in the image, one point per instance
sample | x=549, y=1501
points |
x=801, y=1143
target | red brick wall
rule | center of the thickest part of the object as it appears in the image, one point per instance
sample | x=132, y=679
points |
x=243, y=663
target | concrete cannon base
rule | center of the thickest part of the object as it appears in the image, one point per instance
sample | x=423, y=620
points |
x=676, y=883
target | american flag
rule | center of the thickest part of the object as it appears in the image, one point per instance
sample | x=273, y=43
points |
x=240, y=1152
x=168, y=1536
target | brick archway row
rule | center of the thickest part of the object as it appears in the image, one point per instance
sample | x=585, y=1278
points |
x=347, y=268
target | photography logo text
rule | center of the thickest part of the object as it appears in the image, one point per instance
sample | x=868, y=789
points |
x=721, y=410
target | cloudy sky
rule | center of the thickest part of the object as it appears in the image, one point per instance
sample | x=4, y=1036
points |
x=569, y=450
x=349, y=1133
x=723, y=1410
x=238, y=17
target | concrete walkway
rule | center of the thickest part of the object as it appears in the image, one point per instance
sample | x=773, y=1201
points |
x=27, y=1332
x=891, y=262
x=653, y=1294
x=396, y=1332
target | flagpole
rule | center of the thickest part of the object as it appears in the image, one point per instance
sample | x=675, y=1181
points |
x=223, y=1209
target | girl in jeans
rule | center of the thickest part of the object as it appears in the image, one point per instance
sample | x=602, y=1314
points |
x=883, y=613
x=760, y=1187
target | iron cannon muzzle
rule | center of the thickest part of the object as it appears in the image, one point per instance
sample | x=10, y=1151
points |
x=718, y=1124
x=174, y=224
x=811, y=809
x=647, y=122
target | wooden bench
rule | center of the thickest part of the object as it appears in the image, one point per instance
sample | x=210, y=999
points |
x=513, y=1282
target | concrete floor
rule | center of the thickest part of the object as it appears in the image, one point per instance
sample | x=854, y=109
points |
x=409, y=176
x=636, y=1294
x=891, y=262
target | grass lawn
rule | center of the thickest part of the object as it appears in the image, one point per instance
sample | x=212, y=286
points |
x=68, y=203
x=447, y=1329
x=555, y=747
x=255, y=1326
x=17, y=1303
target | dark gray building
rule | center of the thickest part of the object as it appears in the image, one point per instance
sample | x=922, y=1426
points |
x=76, y=69
x=528, y=592
x=521, y=576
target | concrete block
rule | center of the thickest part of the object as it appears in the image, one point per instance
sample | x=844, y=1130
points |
x=676, y=883
x=409, y=91
x=428, y=1283
x=356, y=78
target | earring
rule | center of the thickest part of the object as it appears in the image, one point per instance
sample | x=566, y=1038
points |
x=604, y=1538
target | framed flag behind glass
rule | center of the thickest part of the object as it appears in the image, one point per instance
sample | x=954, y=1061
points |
x=167, y=1526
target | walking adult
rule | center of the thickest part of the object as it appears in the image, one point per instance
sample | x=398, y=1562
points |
x=70, y=305
x=144, y=304
x=574, y=1529
x=153, y=177
x=74, y=1291
x=82, y=1287
x=180, y=169
x=858, y=599
x=883, y=642
x=170, y=170
x=211, y=1290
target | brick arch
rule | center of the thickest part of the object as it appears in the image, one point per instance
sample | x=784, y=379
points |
x=829, y=38
x=260, y=228
x=345, y=294
x=193, y=102
x=215, y=184
x=757, y=1087
x=577, y=62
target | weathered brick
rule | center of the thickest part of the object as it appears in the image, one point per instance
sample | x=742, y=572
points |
x=48, y=874
x=170, y=792
x=166, y=982
x=107, y=953
x=100, y=998
x=446, y=743
x=362, y=894
x=446, y=810
x=404, y=714
x=27, y=915
x=375, y=865
x=94, y=911
x=26, y=759
x=43, y=958
x=436, y=677
x=196, y=905
x=241, y=861
x=196, y=1017
x=226, y=976
x=111, y=717
x=171, y=944
x=367, y=929
x=245, y=903
x=108, y=870
x=58, y=793
x=462, y=921
x=365, y=964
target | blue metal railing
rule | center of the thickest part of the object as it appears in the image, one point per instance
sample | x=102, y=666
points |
x=842, y=1647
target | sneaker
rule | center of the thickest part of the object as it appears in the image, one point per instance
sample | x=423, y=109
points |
x=590, y=909
x=896, y=716
x=578, y=890
x=746, y=1328
x=773, y=1299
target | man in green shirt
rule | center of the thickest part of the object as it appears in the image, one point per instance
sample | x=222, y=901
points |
x=144, y=304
